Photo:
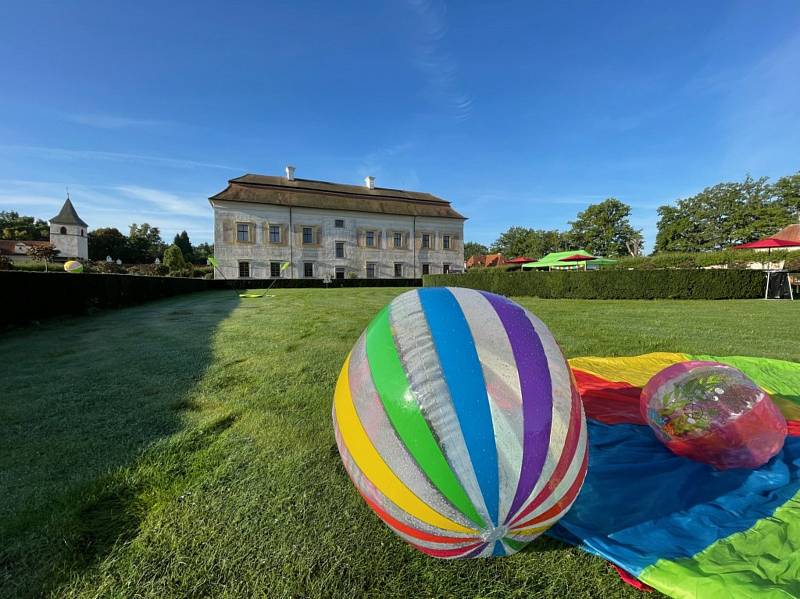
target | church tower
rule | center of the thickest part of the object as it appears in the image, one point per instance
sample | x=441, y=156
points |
x=68, y=233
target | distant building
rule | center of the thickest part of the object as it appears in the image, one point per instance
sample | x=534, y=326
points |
x=331, y=229
x=488, y=260
x=68, y=233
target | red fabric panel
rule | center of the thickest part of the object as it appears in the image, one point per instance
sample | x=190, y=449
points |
x=609, y=402
x=793, y=428
x=630, y=579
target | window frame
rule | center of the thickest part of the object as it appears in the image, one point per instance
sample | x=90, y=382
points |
x=303, y=230
x=425, y=241
x=374, y=267
x=249, y=230
x=339, y=270
x=277, y=230
x=426, y=268
x=446, y=242
x=367, y=236
x=398, y=275
x=336, y=224
x=336, y=246
x=247, y=264
x=305, y=270
x=446, y=268
x=397, y=240
x=272, y=266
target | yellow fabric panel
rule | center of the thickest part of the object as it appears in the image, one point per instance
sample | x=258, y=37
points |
x=372, y=465
x=635, y=370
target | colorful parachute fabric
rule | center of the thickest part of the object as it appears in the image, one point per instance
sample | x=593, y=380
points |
x=442, y=404
x=677, y=525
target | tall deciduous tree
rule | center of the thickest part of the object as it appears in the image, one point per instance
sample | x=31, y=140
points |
x=728, y=214
x=145, y=243
x=108, y=242
x=605, y=229
x=533, y=243
x=22, y=228
x=473, y=248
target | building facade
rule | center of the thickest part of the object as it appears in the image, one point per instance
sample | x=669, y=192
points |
x=68, y=233
x=319, y=229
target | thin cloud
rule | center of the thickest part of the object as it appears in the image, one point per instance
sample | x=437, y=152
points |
x=166, y=201
x=71, y=154
x=434, y=60
x=107, y=121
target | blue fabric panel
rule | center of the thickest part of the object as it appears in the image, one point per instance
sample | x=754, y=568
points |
x=641, y=503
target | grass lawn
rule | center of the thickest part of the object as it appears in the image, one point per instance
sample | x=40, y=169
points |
x=184, y=448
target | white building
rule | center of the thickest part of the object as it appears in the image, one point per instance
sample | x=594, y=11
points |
x=342, y=231
x=68, y=233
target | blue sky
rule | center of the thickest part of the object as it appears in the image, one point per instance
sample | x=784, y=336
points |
x=520, y=113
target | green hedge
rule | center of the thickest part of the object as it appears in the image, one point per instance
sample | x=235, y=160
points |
x=612, y=284
x=730, y=258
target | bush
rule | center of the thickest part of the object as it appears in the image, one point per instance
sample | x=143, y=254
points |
x=148, y=270
x=6, y=264
x=613, y=284
x=175, y=262
x=202, y=272
x=730, y=258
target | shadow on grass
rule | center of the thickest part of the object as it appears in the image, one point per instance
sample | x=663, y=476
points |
x=84, y=399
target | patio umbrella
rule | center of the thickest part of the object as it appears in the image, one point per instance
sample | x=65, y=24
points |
x=520, y=260
x=768, y=243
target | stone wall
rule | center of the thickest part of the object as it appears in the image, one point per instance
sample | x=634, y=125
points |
x=321, y=252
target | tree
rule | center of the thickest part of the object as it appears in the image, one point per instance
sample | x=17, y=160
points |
x=108, y=242
x=533, y=243
x=728, y=214
x=182, y=241
x=44, y=252
x=473, y=248
x=22, y=228
x=202, y=251
x=605, y=229
x=175, y=262
x=145, y=243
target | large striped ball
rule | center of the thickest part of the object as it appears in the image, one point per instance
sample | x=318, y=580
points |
x=73, y=266
x=458, y=421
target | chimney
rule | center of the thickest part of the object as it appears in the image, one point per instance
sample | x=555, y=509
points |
x=369, y=182
x=290, y=173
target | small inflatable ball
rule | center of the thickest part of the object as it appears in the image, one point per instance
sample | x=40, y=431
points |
x=713, y=413
x=458, y=421
x=73, y=266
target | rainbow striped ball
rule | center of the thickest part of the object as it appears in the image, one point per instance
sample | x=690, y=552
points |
x=73, y=266
x=459, y=423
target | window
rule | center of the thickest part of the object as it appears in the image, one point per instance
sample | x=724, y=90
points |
x=63, y=230
x=340, y=272
x=339, y=223
x=274, y=233
x=371, y=239
x=426, y=241
x=446, y=242
x=426, y=269
x=242, y=232
x=398, y=269
x=398, y=240
x=445, y=268
x=308, y=235
x=340, y=249
x=275, y=269
x=308, y=269
x=244, y=270
x=371, y=270
x=82, y=233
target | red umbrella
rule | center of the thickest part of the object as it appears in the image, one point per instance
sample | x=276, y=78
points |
x=576, y=258
x=768, y=243
x=520, y=260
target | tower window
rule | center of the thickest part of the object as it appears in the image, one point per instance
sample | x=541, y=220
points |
x=63, y=230
x=82, y=233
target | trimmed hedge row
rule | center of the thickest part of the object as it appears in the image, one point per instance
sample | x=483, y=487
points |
x=29, y=296
x=613, y=284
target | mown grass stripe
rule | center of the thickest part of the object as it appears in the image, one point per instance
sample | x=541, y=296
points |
x=406, y=417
